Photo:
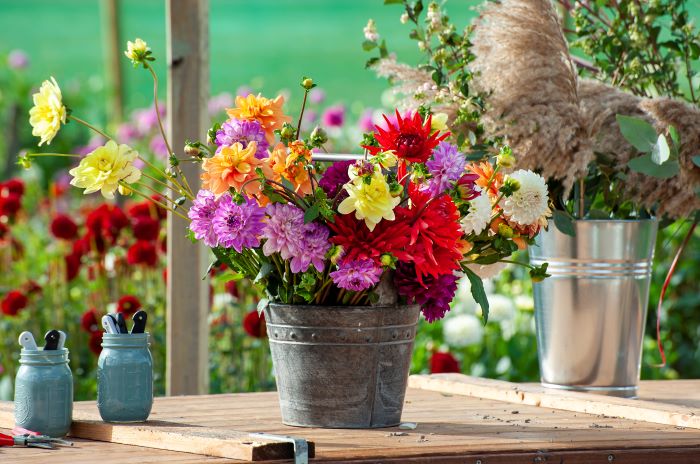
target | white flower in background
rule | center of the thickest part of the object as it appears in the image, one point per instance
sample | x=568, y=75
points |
x=404, y=18
x=524, y=303
x=504, y=364
x=370, y=31
x=530, y=202
x=501, y=308
x=487, y=271
x=222, y=300
x=463, y=330
x=433, y=16
x=479, y=216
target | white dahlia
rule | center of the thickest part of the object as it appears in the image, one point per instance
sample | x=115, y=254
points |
x=530, y=202
x=479, y=215
x=462, y=330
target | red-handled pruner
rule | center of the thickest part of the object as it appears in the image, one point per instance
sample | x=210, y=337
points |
x=33, y=441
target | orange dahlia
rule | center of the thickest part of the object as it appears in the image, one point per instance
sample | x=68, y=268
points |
x=290, y=163
x=485, y=171
x=267, y=112
x=232, y=167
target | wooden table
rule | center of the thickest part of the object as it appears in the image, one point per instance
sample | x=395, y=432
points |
x=456, y=423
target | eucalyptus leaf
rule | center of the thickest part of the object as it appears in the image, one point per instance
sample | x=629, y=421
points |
x=368, y=45
x=564, y=222
x=311, y=213
x=661, y=152
x=639, y=133
x=644, y=165
x=478, y=292
x=696, y=160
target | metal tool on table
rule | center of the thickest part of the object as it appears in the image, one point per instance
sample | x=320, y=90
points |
x=52, y=338
x=26, y=340
x=139, y=318
x=33, y=441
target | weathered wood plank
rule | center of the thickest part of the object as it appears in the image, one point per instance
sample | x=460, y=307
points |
x=187, y=299
x=658, y=412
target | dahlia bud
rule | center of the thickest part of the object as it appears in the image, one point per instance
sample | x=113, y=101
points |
x=335, y=253
x=138, y=52
x=318, y=137
x=191, y=149
x=287, y=131
x=395, y=189
x=509, y=187
x=505, y=230
x=388, y=260
x=505, y=157
x=307, y=83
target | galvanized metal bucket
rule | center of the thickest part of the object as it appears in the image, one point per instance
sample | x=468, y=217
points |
x=590, y=313
x=341, y=367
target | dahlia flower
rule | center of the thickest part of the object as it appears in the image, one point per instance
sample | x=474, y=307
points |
x=479, y=215
x=530, y=202
x=104, y=168
x=238, y=226
x=267, y=112
x=411, y=139
x=243, y=132
x=232, y=167
x=433, y=294
x=356, y=275
x=281, y=230
x=445, y=167
x=313, y=247
x=202, y=214
x=335, y=177
x=371, y=201
x=48, y=112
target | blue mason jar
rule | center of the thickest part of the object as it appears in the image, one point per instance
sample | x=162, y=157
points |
x=125, y=378
x=44, y=392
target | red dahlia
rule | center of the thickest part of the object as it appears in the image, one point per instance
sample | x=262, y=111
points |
x=411, y=139
x=10, y=204
x=146, y=228
x=434, y=233
x=443, y=363
x=254, y=324
x=62, y=226
x=73, y=262
x=142, y=252
x=95, y=342
x=128, y=305
x=13, y=302
x=107, y=221
x=359, y=242
x=15, y=186
x=90, y=320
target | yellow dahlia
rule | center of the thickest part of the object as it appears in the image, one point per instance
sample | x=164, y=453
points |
x=104, y=168
x=267, y=112
x=137, y=50
x=48, y=112
x=232, y=167
x=371, y=201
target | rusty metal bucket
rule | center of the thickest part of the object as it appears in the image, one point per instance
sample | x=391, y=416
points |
x=341, y=367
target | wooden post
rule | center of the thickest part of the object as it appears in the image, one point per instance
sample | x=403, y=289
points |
x=114, y=51
x=187, y=33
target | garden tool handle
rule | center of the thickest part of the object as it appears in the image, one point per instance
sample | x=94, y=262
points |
x=6, y=440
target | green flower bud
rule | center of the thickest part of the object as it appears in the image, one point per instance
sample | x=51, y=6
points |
x=335, y=253
x=509, y=187
x=388, y=260
x=505, y=230
x=307, y=83
x=24, y=160
x=287, y=131
x=395, y=189
x=505, y=157
x=318, y=137
x=191, y=149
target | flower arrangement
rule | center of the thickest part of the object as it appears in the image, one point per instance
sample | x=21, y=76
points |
x=413, y=212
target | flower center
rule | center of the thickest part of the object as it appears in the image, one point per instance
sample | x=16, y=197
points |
x=408, y=142
x=235, y=223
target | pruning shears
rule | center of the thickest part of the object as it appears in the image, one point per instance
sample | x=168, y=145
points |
x=33, y=441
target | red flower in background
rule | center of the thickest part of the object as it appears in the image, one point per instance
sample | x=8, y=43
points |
x=441, y=363
x=90, y=320
x=14, y=185
x=411, y=139
x=359, y=242
x=232, y=288
x=4, y=231
x=63, y=227
x=434, y=233
x=31, y=287
x=10, y=204
x=107, y=221
x=95, y=342
x=254, y=324
x=73, y=262
x=128, y=305
x=142, y=252
x=146, y=228
x=147, y=209
x=13, y=302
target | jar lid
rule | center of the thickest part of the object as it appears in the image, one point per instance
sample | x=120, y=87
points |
x=125, y=340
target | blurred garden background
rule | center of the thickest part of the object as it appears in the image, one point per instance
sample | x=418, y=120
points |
x=64, y=261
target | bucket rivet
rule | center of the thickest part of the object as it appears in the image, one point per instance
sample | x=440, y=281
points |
x=313, y=336
x=478, y=461
x=611, y=458
x=276, y=335
x=293, y=336
x=394, y=334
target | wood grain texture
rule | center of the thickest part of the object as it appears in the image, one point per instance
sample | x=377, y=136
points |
x=674, y=403
x=451, y=428
x=187, y=29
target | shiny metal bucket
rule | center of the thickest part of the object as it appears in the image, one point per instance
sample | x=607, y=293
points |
x=590, y=314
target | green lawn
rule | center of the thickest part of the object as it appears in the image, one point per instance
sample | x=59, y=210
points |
x=268, y=43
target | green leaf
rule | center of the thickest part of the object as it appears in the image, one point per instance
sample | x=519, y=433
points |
x=644, y=165
x=661, y=152
x=371, y=62
x=311, y=213
x=639, y=133
x=478, y=292
x=393, y=2
x=265, y=270
x=368, y=45
x=262, y=304
x=564, y=222
x=675, y=136
x=696, y=160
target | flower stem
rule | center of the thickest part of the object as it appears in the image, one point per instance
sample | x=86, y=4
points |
x=165, y=197
x=90, y=126
x=162, y=205
x=65, y=155
x=301, y=114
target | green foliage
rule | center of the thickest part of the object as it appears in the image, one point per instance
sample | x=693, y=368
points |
x=477, y=289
